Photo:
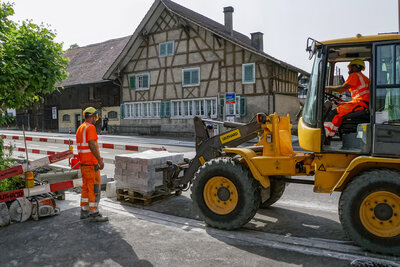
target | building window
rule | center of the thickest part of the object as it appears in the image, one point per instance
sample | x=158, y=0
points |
x=139, y=81
x=189, y=108
x=191, y=77
x=248, y=73
x=166, y=49
x=238, y=109
x=112, y=115
x=66, y=117
x=142, y=110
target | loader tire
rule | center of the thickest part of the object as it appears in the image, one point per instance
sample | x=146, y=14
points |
x=225, y=195
x=369, y=210
x=276, y=191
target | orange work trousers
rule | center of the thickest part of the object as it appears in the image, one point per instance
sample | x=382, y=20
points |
x=335, y=116
x=90, y=196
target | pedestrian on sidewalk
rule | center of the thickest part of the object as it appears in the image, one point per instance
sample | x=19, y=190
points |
x=90, y=165
x=105, y=124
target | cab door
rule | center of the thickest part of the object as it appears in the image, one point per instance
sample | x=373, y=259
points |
x=386, y=99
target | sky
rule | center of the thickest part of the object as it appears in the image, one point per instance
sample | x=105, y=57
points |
x=286, y=24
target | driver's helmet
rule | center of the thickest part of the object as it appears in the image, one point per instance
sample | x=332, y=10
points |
x=357, y=61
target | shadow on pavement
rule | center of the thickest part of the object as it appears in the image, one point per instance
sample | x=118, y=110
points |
x=65, y=240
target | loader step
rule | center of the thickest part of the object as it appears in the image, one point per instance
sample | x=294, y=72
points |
x=131, y=196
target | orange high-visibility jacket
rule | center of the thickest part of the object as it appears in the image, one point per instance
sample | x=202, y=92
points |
x=359, y=86
x=84, y=134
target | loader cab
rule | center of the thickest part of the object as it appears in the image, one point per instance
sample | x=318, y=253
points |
x=375, y=130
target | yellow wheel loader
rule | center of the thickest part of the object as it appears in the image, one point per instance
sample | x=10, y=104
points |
x=230, y=183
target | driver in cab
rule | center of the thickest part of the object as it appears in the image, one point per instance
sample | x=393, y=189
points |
x=358, y=85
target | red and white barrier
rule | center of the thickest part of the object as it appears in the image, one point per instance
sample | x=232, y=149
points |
x=73, y=142
x=34, y=164
x=38, y=190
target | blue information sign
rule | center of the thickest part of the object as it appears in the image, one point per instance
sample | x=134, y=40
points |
x=230, y=98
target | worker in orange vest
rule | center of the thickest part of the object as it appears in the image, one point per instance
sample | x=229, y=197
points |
x=358, y=85
x=90, y=165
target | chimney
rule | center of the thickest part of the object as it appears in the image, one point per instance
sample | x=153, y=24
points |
x=257, y=41
x=228, y=12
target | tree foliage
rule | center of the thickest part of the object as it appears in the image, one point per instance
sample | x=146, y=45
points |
x=31, y=62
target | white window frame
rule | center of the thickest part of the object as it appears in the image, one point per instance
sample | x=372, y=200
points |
x=191, y=84
x=143, y=110
x=186, y=108
x=236, y=108
x=254, y=73
x=137, y=81
x=166, y=49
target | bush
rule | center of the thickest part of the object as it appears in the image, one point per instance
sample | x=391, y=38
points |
x=12, y=183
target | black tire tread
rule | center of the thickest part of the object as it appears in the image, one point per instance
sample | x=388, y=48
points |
x=277, y=190
x=252, y=192
x=359, y=183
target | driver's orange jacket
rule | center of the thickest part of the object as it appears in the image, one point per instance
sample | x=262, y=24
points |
x=85, y=133
x=359, y=86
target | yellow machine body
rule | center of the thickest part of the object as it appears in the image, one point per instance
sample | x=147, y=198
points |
x=332, y=170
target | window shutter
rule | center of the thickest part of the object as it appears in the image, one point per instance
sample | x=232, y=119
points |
x=132, y=82
x=186, y=77
x=170, y=48
x=242, y=106
x=195, y=76
x=146, y=81
x=221, y=107
x=162, y=51
x=167, y=109
x=162, y=109
x=122, y=111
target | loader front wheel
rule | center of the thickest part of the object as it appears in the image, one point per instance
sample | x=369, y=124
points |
x=224, y=194
x=369, y=210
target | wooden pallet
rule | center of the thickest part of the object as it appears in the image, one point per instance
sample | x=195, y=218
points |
x=131, y=196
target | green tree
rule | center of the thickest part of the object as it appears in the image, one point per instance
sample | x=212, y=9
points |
x=31, y=62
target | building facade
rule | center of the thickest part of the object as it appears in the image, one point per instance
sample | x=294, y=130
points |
x=179, y=64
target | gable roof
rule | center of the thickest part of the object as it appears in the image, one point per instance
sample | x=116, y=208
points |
x=217, y=28
x=88, y=64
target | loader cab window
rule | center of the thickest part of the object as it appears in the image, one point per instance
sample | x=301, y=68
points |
x=387, y=100
x=342, y=112
x=310, y=106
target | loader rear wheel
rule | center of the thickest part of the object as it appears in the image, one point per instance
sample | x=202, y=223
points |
x=224, y=194
x=369, y=210
x=275, y=191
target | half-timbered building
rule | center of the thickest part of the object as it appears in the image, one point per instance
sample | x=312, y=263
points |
x=179, y=64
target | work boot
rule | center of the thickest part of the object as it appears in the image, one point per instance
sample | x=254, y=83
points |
x=97, y=217
x=84, y=214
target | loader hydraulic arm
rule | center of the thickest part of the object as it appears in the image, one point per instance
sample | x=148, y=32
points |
x=208, y=148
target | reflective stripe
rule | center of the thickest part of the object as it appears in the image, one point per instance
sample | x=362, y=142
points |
x=84, y=151
x=82, y=144
x=93, y=204
x=356, y=92
x=362, y=93
x=85, y=200
x=330, y=125
x=84, y=133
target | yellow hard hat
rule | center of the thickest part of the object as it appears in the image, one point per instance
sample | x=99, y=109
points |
x=357, y=61
x=91, y=111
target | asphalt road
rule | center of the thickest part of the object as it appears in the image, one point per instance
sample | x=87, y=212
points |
x=302, y=228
